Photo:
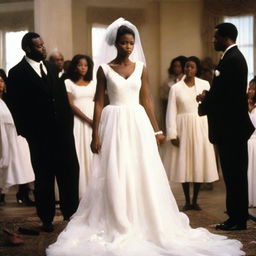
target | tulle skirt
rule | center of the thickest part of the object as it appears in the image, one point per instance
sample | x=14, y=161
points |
x=128, y=208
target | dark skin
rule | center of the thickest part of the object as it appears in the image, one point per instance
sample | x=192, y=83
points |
x=36, y=51
x=82, y=69
x=177, y=70
x=2, y=86
x=190, y=71
x=220, y=44
x=124, y=67
x=251, y=96
x=58, y=60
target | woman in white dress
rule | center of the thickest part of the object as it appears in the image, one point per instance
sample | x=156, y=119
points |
x=252, y=145
x=192, y=157
x=81, y=89
x=128, y=209
x=175, y=74
x=15, y=164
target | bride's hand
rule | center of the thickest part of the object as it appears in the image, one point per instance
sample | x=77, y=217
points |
x=95, y=145
x=160, y=138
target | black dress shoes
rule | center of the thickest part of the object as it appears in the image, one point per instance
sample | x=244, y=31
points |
x=230, y=226
x=47, y=227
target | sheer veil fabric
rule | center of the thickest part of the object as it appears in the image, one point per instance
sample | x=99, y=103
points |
x=128, y=208
x=108, y=50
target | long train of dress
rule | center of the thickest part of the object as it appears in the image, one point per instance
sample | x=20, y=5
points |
x=129, y=209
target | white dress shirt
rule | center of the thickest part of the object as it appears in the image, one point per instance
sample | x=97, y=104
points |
x=36, y=65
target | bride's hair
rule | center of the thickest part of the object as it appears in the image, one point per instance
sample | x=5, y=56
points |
x=123, y=30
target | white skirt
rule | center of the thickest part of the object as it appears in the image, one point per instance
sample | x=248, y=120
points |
x=129, y=209
x=15, y=167
x=252, y=170
x=194, y=160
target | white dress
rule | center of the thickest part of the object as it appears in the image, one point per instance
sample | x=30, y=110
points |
x=83, y=99
x=15, y=164
x=129, y=209
x=194, y=159
x=252, y=162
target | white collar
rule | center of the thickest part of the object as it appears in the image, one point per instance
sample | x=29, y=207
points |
x=33, y=62
x=231, y=46
x=36, y=65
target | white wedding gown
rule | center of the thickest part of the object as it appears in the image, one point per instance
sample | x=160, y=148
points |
x=129, y=209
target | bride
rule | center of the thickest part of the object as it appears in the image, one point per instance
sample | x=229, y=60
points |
x=129, y=209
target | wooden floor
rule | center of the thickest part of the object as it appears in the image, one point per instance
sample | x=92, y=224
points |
x=212, y=202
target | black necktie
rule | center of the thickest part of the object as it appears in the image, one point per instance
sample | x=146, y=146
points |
x=43, y=75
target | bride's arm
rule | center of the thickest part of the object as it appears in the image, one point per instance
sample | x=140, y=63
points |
x=99, y=104
x=146, y=102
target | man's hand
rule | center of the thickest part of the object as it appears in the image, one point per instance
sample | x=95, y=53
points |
x=175, y=142
x=201, y=97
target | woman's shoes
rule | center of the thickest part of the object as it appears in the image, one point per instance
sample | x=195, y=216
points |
x=187, y=207
x=12, y=238
x=196, y=207
x=23, y=198
x=2, y=199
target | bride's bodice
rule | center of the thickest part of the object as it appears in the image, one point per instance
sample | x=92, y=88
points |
x=122, y=91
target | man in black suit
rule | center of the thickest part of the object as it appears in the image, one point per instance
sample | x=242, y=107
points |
x=40, y=108
x=229, y=124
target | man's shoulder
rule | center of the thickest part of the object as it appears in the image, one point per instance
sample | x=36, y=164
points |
x=234, y=53
x=18, y=67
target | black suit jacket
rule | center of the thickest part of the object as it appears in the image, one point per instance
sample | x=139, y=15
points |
x=39, y=109
x=226, y=103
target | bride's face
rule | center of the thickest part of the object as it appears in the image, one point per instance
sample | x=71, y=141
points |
x=125, y=45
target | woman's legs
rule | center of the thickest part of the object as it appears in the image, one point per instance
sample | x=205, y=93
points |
x=196, y=186
x=22, y=195
x=187, y=205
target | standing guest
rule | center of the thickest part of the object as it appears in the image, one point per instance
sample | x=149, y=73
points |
x=207, y=69
x=81, y=90
x=42, y=114
x=252, y=144
x=66, y=65
x=192, y=156
x=175, y=74
x=230, y=130
x=15, y=164
x=56, y=57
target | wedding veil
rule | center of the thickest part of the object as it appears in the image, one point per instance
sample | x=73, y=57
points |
x=108, y=50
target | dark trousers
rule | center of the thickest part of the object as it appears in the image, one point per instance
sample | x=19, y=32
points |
x=54, y=156
x=234, y=164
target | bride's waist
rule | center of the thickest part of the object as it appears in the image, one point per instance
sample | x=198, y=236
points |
x=124, y=105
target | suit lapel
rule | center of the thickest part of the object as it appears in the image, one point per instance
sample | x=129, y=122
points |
x=34, y=77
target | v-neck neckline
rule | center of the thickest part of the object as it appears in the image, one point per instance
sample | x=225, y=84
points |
x=135, y=66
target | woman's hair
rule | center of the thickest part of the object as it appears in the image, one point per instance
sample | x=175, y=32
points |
x=181, y=59
x=3, y=75
x=72, y=72
x=123, y=30
x=197, y=62
x=254, y=82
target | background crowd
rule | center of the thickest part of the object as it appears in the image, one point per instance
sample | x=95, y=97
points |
x=65, y=116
